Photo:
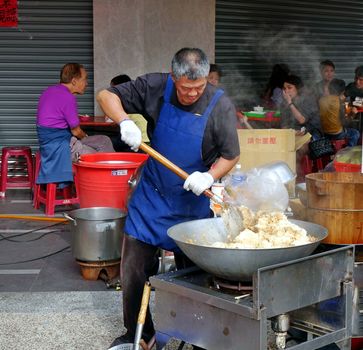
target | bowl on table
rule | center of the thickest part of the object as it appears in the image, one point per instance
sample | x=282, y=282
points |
x=84, y=118
x=258, y=109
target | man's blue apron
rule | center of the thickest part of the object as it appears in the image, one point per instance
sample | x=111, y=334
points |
x=159, y=200
x=55, y=155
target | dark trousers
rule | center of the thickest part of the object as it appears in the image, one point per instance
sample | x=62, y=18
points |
x=139, y=261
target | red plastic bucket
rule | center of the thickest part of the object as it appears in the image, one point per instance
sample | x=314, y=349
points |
x=102, y=178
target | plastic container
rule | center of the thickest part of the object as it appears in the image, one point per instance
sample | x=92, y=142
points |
x=233, y=184
x=217, y=189
x=347, y=168
x=348, y=159
x=237, y=176
x=102, y=178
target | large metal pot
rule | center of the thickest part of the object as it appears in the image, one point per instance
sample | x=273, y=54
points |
x=96, y=233
x=195, y=238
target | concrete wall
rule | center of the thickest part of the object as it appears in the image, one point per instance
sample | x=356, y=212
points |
x=140, y=36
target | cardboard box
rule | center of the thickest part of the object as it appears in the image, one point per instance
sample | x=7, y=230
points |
x=262, y=146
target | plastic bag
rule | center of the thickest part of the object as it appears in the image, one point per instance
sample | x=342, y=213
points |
x=261, y=190
x=349, y=155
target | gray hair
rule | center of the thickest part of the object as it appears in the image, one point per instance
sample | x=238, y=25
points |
x=190, y=62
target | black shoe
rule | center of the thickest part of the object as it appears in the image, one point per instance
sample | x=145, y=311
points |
x=123, y=339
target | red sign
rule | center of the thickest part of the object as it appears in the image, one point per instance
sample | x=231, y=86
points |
x=261, y=140
x=8, y=13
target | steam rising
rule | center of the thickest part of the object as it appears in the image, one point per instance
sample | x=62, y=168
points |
x=259, y=51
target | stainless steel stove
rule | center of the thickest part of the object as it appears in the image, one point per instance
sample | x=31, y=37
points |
x=310, y=297
x=357, y=324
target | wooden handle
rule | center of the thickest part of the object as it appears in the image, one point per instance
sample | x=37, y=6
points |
x=144, y=303
x=30, y=217
x=164, y=161
x=170, y=165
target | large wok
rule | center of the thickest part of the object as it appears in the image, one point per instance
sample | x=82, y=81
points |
x=195, y=237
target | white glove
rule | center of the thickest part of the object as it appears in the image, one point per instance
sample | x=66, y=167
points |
x=130, y=134
x=198, y=182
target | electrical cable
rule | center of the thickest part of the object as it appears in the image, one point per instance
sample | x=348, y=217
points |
x=28, y=232
x=39, y=258
x=29, y=240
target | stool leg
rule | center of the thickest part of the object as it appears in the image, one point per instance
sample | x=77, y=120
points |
x=76, y=185
x=50, y=199
x=319, y=164
x=67, y=192
x=4, y=174
x=29, y=164
x=36, y=195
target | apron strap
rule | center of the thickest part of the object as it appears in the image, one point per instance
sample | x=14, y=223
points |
x=168, y=89
x=212, y=103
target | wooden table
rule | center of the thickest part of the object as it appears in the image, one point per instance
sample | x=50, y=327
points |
x=265, y=121
x=96, y=121
x=97, y=125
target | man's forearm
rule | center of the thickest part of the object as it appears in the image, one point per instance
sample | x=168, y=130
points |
x=222, y=167
x=111, y=106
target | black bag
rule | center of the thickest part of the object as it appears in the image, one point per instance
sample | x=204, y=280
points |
x=321, y=147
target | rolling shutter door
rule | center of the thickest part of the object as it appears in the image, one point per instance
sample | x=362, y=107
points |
x=50, y=33
x=251, y=36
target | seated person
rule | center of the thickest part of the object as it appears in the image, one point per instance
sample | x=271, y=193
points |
x=300, y=111
x=327, y=72
x=332, y=113
x=138, y=119
x=215, y=74
x=354, y=90
x=59, y=134
x=299, y=108
x=272, y=96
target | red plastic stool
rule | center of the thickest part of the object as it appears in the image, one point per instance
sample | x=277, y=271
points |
x=19, y=181
x=48, y=194
x=339, y=144
x=306, y=165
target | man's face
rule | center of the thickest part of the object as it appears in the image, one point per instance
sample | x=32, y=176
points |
x=80, y=84
x=327, y=73
x=290, y=89
x=189, y=91
x=359, y=83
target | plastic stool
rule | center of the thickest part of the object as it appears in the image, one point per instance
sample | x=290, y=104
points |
x=339, y=144
x=306, y=165
x=21, y=181
x=48, y=193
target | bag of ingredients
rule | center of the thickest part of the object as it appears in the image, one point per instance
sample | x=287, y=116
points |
x=349, y=155
x=260, y=189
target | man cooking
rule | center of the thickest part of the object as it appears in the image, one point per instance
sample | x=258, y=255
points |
x=190, y=122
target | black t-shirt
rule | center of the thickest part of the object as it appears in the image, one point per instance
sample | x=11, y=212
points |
x=353, y=92
x=145, y=96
